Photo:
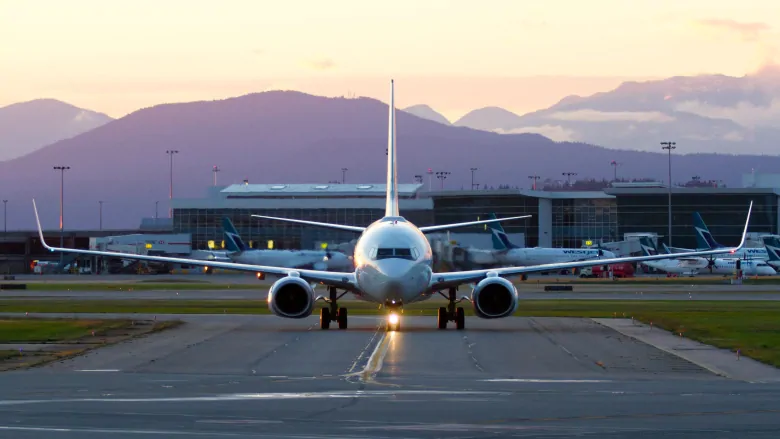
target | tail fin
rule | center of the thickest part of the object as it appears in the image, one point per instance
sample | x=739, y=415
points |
x=500, y=240
x=233, y=241
x=772, y=245
x=667, y=250
x=704, y=239
x=391, y=204
x=648, y=248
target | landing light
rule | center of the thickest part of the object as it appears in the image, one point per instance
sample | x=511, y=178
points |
x=392, y=318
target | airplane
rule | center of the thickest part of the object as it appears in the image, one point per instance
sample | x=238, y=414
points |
x=324, y=260
x=510, y=254
x=393, y=266
x=705, y=241
x=693, y=266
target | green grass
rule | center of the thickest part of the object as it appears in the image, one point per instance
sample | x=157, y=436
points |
x=23, y=330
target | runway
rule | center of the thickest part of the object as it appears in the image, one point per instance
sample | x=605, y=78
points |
x=262, y=376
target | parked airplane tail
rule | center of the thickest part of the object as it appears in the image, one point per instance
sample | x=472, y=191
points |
x=704, y=239
x=648, y=248
x=772, y=244
x=233, y=240
x=500, y=239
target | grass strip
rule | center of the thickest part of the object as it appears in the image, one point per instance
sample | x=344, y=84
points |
x=26, y=330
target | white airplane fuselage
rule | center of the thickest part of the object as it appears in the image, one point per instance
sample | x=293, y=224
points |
x=314, y=259
x=393, y=279
x=539, y=255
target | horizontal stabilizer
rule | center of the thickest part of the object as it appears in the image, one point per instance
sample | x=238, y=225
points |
x=469, y=223
x=315, y=223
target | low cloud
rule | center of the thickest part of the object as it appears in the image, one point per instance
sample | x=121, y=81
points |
x=611, y=116
x=748, y=31
x=552, y=132
x=322, y=64
x=744, y=113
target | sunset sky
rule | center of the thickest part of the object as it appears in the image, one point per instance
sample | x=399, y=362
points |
x=118, y=56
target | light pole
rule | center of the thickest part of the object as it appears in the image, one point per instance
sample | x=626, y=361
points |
x=534, y=178
x=430, y=179
x=615, y=165
x=669, y=146
x=171, y=152
x=442, y=175
x=101, y=214
x=215, y=169
x=473, y=170
x=62, y=170
x=568, y=177
x=155, y=212
x=5, y=216
x=344, y=175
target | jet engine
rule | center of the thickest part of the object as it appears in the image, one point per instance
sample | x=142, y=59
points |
x=494, y=297
x=291, y=297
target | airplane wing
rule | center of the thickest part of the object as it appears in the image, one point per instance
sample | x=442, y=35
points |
x=340, y=280
x=315, y=223
x=469, y=223
x=447, y=280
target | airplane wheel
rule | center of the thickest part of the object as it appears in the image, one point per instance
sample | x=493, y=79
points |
x=324, y=318
x=342, y=318
x=460, y=318
x=442, y=318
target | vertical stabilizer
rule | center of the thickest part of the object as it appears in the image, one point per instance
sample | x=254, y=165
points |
x=500, y=239
x=391, y=205
x=233, y=241
x=772, y=245
x=704, y=239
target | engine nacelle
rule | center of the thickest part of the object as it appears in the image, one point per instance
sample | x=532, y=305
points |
x=291, y=297
x=494, y=297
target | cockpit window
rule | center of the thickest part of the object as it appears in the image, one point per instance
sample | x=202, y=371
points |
x=399, y=253
x=384, y=253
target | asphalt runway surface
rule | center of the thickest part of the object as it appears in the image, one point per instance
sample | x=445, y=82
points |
x=266, y=377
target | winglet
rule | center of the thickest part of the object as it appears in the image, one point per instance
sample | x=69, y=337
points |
x=744, y=232
x=40, y=230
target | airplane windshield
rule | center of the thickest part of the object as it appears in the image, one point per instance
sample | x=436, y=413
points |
x=398, y=253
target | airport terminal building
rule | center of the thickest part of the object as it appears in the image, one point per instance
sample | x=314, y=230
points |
x=559, y=218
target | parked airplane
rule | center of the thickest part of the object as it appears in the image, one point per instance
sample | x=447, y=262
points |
x=323, y=260
x=393, y=261
x=685, y=266
x=508, y=253
x=705, y=241
x=695, y=265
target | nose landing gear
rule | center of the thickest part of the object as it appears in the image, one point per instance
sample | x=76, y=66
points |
x=333, y=313
x=450, y=313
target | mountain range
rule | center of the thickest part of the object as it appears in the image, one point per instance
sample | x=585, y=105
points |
x=27, y=126
x=285, y=136
x=706, y=113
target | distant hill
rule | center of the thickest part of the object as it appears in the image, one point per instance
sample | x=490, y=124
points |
x=426, y=112
x=707, y=113
x=489, y=119
x=27, y=126
x=284, y=136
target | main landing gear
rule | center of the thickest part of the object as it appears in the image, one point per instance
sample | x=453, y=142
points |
x=333, y=313
x=450, y=313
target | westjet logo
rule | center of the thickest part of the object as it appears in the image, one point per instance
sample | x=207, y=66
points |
x=581, y=252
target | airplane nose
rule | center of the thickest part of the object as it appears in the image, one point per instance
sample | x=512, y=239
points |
x=394, y=269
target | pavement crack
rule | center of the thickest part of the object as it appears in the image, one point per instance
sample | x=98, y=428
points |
x=283, y=345
x=468, y=346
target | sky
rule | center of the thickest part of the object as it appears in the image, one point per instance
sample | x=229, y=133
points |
x=119, y=56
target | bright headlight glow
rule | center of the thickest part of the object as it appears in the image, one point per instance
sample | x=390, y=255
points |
x=392, y=318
